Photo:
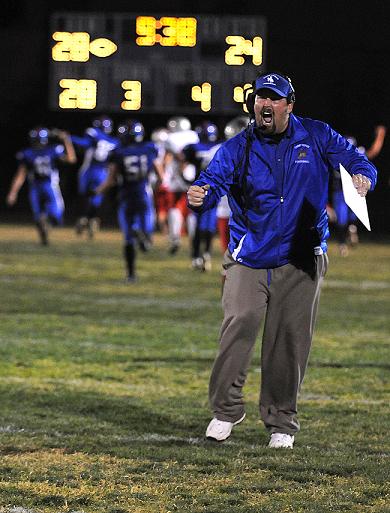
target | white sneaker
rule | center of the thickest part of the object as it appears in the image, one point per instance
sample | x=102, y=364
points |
x=281, y=441
x=220, y=430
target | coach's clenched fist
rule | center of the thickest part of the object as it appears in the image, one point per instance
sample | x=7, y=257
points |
x=196, y=194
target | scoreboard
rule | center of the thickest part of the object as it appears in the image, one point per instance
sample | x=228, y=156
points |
x=156, y=63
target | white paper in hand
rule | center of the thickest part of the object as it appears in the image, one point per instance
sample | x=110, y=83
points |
x=356, y=203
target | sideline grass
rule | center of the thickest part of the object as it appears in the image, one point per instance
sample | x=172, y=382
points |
x=103, y=388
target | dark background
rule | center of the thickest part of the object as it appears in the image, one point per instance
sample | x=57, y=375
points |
x=336, y=53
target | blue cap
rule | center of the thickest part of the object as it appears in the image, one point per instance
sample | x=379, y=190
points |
x=277, y=83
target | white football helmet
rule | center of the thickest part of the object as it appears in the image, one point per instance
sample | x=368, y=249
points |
x=159, y=135
x=178, y=124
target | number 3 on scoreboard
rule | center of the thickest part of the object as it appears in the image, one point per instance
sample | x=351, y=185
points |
x=132, y=95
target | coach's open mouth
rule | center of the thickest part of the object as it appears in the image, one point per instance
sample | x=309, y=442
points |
x=267, y=115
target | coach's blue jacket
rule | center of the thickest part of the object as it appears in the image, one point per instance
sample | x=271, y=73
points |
x=278, y=191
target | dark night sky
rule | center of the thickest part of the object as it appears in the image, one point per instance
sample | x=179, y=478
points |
x=336, y=52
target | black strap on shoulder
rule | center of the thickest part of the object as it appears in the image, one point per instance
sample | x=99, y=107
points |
x=239, y=186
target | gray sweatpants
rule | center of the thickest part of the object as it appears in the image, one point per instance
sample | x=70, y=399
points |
x=288, y=297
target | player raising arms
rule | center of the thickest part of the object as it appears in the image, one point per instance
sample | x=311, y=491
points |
x=38, y=164
x=97, y=142
x=129, y=167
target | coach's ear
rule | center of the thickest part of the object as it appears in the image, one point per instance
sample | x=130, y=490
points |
x=290, y=107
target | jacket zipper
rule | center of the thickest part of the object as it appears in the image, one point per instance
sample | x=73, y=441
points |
x=281, y=201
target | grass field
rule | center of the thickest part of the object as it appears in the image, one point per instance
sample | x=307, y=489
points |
x=103, y=388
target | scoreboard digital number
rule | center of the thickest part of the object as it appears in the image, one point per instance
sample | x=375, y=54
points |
x=154, y=64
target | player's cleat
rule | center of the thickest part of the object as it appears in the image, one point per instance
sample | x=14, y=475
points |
x=206, y=262
x=281, y=441
x=174, y=248
x=131, y=279
x=220, y=430
x=343, y=250
x=145, y=245
x=197, y=263
x=353, y=235
x=93, y=226
x=43, y=231
x=81, y=225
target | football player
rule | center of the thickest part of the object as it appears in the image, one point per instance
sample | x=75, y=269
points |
x=199, y=155
x=161, y=190
x=232, y=128
x=130, y=166
x=97, y=142
x=38, y=163
x=178, y=176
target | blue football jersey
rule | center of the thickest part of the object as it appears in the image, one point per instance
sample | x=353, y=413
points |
x=41, y=162
x=98, y=147
x=200, y=154
x=134, y=163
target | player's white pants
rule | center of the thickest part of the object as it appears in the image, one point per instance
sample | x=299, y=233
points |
x=175, y=223
x=191, y=225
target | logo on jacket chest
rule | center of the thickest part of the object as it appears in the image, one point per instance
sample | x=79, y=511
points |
x=302, y=154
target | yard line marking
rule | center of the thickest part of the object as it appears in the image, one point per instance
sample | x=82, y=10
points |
x=11, y=429
x=182, y=304
x=20, y=509
x=157, y=437
x=359, y=285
